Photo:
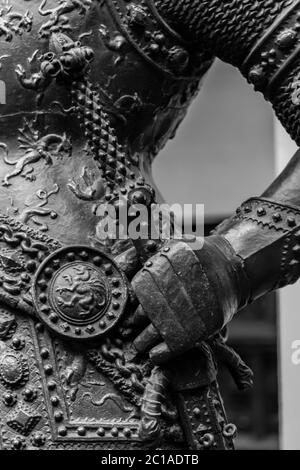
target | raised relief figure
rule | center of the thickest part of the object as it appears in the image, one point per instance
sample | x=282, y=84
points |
x=113, y=344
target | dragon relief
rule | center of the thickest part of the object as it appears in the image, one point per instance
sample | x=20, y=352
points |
x=34, y=211
x=36, y=147
x=80, y=292
x=58, y=19
x=12, y=22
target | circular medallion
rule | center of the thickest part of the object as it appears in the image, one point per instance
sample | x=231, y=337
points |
x=79, y=292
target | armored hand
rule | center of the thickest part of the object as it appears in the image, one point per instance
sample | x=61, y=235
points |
x=188, y=295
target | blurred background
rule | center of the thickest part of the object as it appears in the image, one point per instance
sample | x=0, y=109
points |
x=225, y=152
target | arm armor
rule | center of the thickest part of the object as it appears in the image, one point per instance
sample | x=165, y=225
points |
x=261, y=38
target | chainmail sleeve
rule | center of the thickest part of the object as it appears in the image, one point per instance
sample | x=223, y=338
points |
x=260, y=37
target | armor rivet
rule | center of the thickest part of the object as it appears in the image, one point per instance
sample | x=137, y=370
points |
x=54, y=401
x=45, y=309
x=30, y=394
x=48, y=272
x=167, y=249
x=18, y=342
x=291, y=222
x=90, y=329
x=108, y=269
x=154, y=48
x=296, y=249
x=248, y=209
x=31, y=266
x=151, y=245
x=39, y=327
x=207, y=440
x=97, y=260
x=114, y=432
x=101, y=432
x=149, y=264
x=286, y=38
x=9, y=399
x=44, y=353
x=65, y=327
x=18, y=443
x=38, y=439
x=71, y=256
x=43, y=284
x=51, y=385
x=197, y=412
x=81, y=431
x=84, y=255
x=230, y=430
x=277, y=217
x=160, y=38
x=58, y=416
x=43, y=298
x=261, y=211
x=127, y=432
x=62, y=431
x=25, y=277
x=111, y=315
x=272, y=53
x=48, y=369
x=53, y=318
x=139, y=197
x=256, y=75
x=78, y=331
x=102, y=324
x=116, y=305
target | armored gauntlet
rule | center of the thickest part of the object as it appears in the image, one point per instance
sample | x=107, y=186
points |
x=193, y=294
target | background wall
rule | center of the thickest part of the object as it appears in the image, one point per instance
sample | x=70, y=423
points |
x=289, y=329
x=223, y=153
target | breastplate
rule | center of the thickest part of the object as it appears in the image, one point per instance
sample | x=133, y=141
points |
x=91, y=91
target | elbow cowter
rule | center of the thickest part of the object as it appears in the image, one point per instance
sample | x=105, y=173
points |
x=260, y=37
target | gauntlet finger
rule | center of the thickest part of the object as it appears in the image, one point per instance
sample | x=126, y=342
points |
x=149, y=338
x=161, y=354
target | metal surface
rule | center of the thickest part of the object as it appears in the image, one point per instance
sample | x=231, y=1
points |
x=94, y=89
x=93, y=92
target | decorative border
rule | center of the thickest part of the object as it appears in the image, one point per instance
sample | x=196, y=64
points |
x=155, y=41
x=270, y=59
x=268, y=213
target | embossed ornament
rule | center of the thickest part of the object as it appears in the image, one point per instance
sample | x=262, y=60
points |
x=14, y=372
x=79, y=292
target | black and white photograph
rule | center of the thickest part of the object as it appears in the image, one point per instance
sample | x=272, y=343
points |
x=149, y=228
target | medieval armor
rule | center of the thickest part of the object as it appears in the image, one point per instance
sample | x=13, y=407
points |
x=94, y=89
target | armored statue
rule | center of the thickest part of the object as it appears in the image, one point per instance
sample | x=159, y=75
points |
x=114, y=344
